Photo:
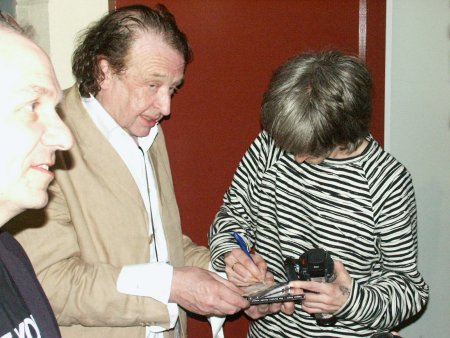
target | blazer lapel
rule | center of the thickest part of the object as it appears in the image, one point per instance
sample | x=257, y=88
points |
x=168, y=205
x=98, y=153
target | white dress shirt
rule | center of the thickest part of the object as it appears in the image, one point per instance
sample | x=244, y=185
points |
x=139, y=279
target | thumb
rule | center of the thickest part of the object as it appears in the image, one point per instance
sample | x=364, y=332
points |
x=342, y=276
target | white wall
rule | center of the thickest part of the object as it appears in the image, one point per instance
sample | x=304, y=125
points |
x=418, y=134
x=56, y=24
x=67, y=18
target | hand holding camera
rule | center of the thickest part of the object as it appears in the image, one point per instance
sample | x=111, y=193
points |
x=327, y=284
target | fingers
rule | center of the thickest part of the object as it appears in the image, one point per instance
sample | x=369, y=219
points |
x=239, y=275
x=268, y=278
x=260, y=263
x=261, y=310
x=325, y=297
x=241, y=270
x=227, y=283
x=318, y=306
x=205, y=293
x=227, y=292
x=288, y=307
x=257, y=311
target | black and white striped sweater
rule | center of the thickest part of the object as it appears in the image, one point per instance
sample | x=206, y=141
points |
x=362, y=209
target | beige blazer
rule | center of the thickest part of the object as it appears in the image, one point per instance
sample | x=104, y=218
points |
x=94, y=224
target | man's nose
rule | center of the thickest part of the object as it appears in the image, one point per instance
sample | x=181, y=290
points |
x=163, y=102
x=57, y=134
x=301, y=158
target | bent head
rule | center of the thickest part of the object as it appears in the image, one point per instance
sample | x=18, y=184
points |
x=30, y=129
x=317, y=104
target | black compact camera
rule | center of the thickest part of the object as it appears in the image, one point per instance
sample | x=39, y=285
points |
x=313, y=265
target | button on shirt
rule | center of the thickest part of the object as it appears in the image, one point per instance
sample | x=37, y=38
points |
x=139, y=279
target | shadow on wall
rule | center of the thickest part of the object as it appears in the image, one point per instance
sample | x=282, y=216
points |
x=412, y=320
x=8, y=6
x=448, y=68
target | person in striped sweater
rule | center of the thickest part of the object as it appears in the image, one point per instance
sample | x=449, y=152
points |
x=316, y=178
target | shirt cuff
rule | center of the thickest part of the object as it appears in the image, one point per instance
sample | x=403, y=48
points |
x=217, y=322
x=140, y=280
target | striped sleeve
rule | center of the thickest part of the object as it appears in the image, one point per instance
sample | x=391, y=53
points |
x=396, y=291
x=241, y=202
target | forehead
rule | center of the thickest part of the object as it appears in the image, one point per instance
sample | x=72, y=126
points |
x=150, y=51
x=24, y=67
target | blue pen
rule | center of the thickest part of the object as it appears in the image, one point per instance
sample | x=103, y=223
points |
x=242, y=245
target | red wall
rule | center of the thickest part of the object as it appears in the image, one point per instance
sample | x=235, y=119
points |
x=237, y=44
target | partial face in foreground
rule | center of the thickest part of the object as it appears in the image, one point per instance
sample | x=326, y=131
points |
x=30, y=129
x=141, y=95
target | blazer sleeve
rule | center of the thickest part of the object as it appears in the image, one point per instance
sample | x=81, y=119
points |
x=80, y=292
x=195, y=255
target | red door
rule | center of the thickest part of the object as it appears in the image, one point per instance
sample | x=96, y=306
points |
x=237, y=44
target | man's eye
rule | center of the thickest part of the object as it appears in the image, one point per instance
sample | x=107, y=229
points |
x=29, y=108
x=29, y=111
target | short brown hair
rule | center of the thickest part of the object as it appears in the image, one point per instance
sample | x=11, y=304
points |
x=318, y=101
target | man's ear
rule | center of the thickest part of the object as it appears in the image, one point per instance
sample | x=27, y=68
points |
x=106, y=73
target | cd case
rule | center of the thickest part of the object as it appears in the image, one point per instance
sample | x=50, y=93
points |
x=260, y=293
